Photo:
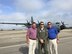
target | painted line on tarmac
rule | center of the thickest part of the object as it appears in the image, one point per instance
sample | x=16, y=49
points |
x=66, y=38
x=13, y=46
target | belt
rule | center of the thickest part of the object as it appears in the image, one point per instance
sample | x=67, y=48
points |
x=32, y=39
x=52, y=38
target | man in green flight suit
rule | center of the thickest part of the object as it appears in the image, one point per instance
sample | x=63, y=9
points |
x=42, y=38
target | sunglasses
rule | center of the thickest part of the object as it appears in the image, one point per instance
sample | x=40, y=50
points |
x=49, y=24
x=41, y=24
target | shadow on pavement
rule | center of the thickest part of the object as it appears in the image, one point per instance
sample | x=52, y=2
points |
x=24, y=50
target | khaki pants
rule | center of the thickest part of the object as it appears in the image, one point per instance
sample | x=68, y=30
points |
x=53, y=46
x=32, y=46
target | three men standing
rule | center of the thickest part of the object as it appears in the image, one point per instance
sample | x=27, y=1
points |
x=46, y=37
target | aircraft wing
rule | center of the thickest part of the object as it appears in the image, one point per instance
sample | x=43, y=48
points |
x=14, y=23
x=26, y=24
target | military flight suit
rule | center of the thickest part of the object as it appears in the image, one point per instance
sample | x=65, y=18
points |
x=42, y=34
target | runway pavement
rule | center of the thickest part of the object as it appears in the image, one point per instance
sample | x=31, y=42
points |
x=8, y=38
x=14, y=42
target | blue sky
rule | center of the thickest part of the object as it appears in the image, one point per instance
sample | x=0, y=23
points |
x=42, y=10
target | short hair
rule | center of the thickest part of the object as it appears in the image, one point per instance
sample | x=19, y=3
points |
x=33, y=23
x=41, y=22
x=49, y=22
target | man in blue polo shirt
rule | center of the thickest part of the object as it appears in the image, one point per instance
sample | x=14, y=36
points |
x=53, y=38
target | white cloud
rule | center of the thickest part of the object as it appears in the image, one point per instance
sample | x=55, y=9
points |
x=52, y=10
x=13, y=17
x=53, y=7
x=61, y=4
x=30, y=5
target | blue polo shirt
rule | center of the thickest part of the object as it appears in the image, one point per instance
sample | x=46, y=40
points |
x=52, y=32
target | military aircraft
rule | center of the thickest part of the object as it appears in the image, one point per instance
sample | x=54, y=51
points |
x=28, y=24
